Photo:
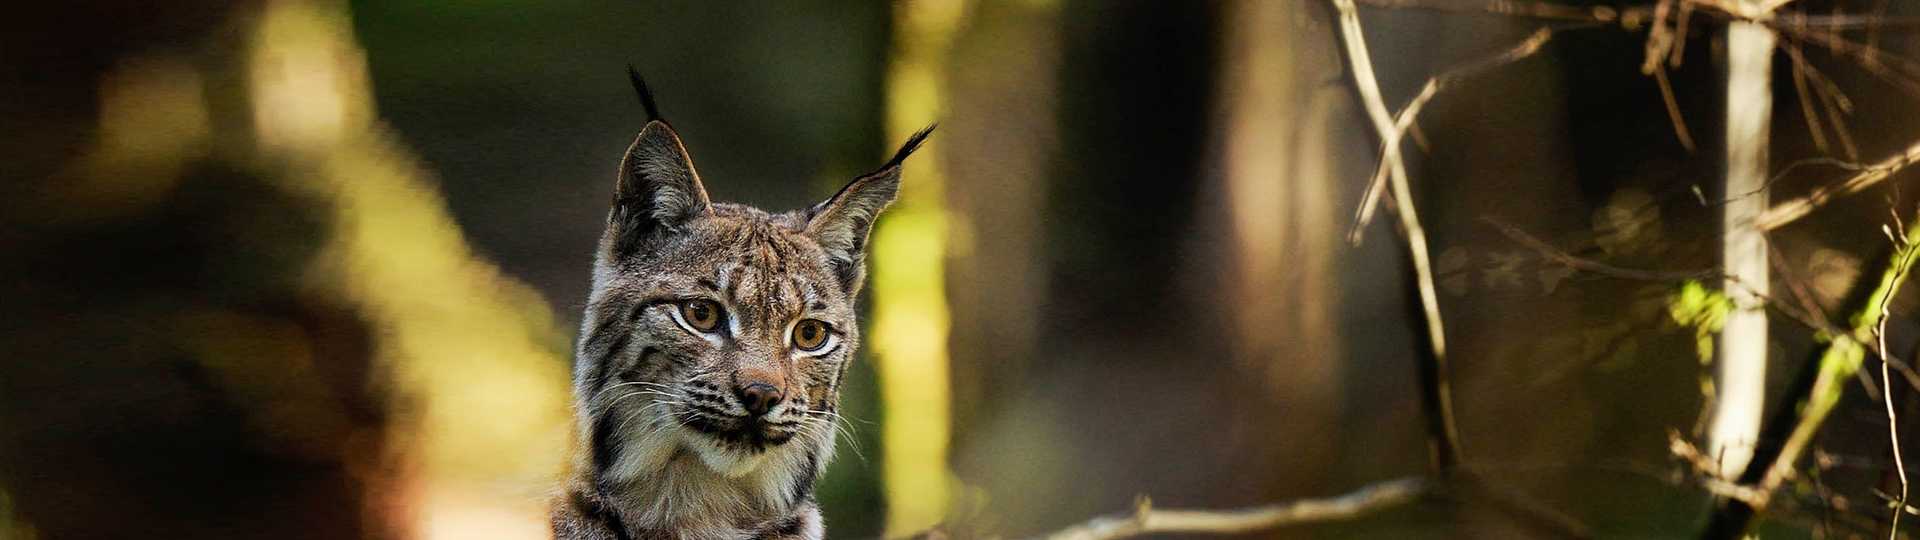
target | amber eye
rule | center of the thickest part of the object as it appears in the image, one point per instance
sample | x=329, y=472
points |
x=702, y=315
x=809, y=335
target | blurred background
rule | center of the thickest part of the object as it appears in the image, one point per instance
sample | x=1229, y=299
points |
x=312, y=268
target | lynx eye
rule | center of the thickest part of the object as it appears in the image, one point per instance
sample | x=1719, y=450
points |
x=702, y=315
x=810, y=335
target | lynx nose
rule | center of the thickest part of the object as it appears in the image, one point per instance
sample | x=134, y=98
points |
x=759, y=397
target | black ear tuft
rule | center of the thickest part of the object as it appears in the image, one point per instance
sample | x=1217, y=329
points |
x=646, y=95
x=842, y=223
x=912, y=144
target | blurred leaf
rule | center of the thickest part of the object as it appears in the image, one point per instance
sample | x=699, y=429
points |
x=1702, y=309
x=1505, y=271
x=1832, y=274
x=1628, y=224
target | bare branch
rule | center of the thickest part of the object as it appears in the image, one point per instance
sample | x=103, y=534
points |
x=1900, y=72
x=1849, y=22
x=1784, y=213
x=1145, y=519
x=1904, y=251
x=1663, y=46
x=1634, y=16
x=1681, y=23
x=1832, y=99
x=1808, y=314
x=1802, y=91
x=1659, y=38
x=1774, y=463
x=1390, y=159
x=1707, y=467
x=1419, y=137
x=1533, y=10
x=1797, y=287
x=1589, y=265
x=1361, y=64
x=1437, y=395
x=1680, y=130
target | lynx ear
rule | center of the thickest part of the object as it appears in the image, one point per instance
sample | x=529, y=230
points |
x=658, y=188
x=842, y=223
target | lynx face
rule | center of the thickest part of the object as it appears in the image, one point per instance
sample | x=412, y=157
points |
x=728, y=335
x=708, y=370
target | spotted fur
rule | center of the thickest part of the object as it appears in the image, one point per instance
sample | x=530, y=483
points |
x=670, y=449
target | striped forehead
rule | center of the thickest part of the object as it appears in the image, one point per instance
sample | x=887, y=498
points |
x=760, y=295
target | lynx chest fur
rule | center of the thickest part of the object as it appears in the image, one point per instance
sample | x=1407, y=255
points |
x=707, y=373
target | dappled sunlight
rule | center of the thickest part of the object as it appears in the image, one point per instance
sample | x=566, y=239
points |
x=910, y=323
x=476, y=363
x=315, y=269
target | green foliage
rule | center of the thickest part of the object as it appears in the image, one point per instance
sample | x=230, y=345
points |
x=1705, y=311
x=1844, y=357
x=1702, y=309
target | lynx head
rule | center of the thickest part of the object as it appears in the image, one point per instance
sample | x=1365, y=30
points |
x=716, y=330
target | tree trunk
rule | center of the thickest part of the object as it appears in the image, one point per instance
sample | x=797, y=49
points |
x=1740, y=377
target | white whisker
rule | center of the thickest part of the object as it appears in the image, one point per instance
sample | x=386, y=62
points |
x=838, y=429
x=603, y=391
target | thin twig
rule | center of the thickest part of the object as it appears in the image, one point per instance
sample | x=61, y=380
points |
x=1808, y=315
x=1533, y=10
x=1664, y=45
x=1145, y=519
x=1680, y=130
x=1806, y=96
x=1589, y=265
x=1437, y=399
x=1784, y=213
x=1901, y=72
x=1403, y=122
x=1904, y=251
x=1361, y=64
x=1659, y=43
x=1419, y=137
x=1681, y=22
x=1817, y=396
x=1847, y=22
x=1637, y=15
x=1819, y=30
x=1815, y=314
x=1832, y=99
x=1794, y=284
x=1707, y=469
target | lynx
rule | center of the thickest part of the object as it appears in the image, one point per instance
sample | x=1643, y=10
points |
x=707, y=373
